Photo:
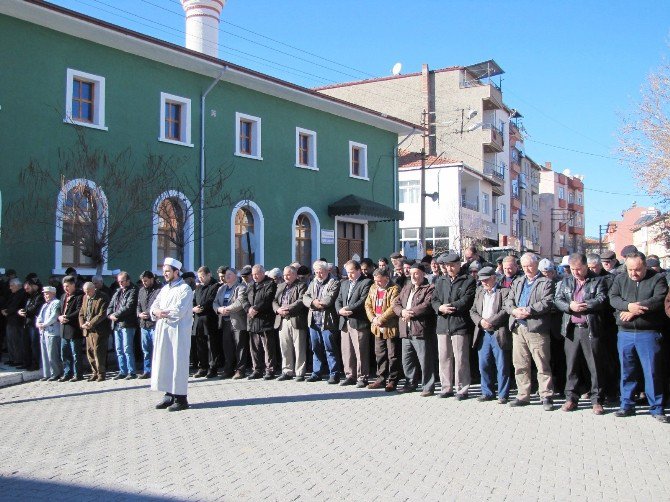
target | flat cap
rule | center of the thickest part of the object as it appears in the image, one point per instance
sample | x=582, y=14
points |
x=486, y=272
x=395, y=256
x=474, y=266
x=630, y=249
x=449, y=258
x=546, y=264
x=419, y=265
x=246, y=270
x=608, y=255
x=653, y=262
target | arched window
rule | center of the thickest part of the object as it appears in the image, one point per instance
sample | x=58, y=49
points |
x=171, y=223
x=173, y=230
x=81, y=228
x=305, y=233
x=303, y=240
x=246, y=234
x=245, y=238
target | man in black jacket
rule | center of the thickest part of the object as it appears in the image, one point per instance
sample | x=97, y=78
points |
x=122, y=311
x=145, y=298
x=205, y=325
x=452, y=300
x=31, y=336
x=582, y=297
x=14, y=322
x=261, y=321
x=72, y=351
x=354, y=325
x=638, y=295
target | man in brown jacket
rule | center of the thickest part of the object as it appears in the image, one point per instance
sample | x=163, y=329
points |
x=384, y=327
x=417, y=331
x=96, y=329
x=291, y=321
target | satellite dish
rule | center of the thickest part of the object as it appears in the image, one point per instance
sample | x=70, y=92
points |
x=397, y=68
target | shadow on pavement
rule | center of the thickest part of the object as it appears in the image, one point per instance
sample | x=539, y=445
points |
x=18, y=488
x=74, y=394
x=230, y=403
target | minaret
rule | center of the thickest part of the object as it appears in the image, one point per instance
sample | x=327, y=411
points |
x=202, y=25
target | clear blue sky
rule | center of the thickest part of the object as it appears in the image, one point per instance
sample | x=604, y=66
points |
x=573, y=68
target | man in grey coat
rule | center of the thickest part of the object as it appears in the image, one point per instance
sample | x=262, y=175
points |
x=529, y=305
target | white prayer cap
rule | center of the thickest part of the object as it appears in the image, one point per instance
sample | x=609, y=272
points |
x=173, y=263
x=49, y=289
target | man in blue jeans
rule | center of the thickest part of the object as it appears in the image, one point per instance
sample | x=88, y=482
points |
x=638, y=295
x=145, y=298
x=122, y=311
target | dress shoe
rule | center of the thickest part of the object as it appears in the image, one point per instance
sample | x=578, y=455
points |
x=406, y=389
x=461, y=397
x=55, y=378
x=361, y=384
x=227, y=375
x=76, y=379
x=547, y=404
x=165, y=402
x=445, y=394
x=238, y=375
x=571, y=405
x=624, y=412
x=502, y=400
x=598, y=409
x=390, y=387
x=212, y=374
x=144, y=376
x=44, y=379
x=314, y=378
x=283, y=377
x=377, y=384
x=268, y=376
x=65, y=378
x=180, y=403
x=200, y=373
x=519, y=402
x=347, y=381
x=483, y=399
x=254, y=376
x=120, y=376
x=101, y=378
x=131, y=376
x=333, y=380
x=300, y=378
x=427, y=393
x=664, y=419
x=92, y=378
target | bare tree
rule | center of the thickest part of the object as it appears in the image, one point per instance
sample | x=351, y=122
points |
x=104, y=202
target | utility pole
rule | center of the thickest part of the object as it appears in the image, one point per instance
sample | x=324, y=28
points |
x=422, y=187
x=604, y=229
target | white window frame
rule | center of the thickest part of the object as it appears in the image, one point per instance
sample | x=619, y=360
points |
x=364, y=160
x=189, y=231
x=561, y=193
x=103, y=217
x=315, y=233
x=185, y=119
x=409, y=189
x=255, y=136
x=312, y=149
x=98, y=99
x=259, y=228
x=502, y=213
x=486, y=203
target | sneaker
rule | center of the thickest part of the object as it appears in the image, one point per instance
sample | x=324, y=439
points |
x=624, y=412
x=120, y=376
x=518, y=402
x=547, y=404
x=483, y=399
x=283, y=377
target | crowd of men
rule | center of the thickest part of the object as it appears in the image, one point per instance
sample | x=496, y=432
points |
x=590, y=328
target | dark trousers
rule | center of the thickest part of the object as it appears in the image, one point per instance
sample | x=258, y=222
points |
x=235, y=346
x=420, y=352
x=209, y=345
x=263, y=347
x=641, y=348
x=96, y=352
x=15, y=343
x=31, y=348
x=387, y=355
x=581, y=347
x=72, y=355
x=557, y=349
x=611, y=365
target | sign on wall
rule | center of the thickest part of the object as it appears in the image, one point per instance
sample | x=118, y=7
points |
x=327, y=236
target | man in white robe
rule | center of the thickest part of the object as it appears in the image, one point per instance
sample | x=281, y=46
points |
x=172, y=311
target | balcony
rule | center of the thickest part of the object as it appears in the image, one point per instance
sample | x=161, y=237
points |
x=575, y=184
x=515, y=202
x=576, y=230
x=562, y=203
x=522, y=181
x=572, y=206
x=496, y=175
x=493, y=138
x=522, y=211
x=472, y=203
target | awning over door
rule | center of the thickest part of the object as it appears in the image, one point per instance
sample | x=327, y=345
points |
x=366, y=209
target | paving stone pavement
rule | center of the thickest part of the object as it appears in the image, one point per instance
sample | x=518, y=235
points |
x=286, y=441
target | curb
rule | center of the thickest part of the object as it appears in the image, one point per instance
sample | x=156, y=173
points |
x=9, y=377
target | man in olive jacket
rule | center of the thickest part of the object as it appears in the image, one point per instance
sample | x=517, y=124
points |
x=452, y=300
x=417, y=331
x=260, y=322
x=582, y=297
x=96, y=329
x=529, y=304
x=492, y=338
x=638, y=295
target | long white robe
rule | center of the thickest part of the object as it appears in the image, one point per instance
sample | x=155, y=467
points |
x=172, y=338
